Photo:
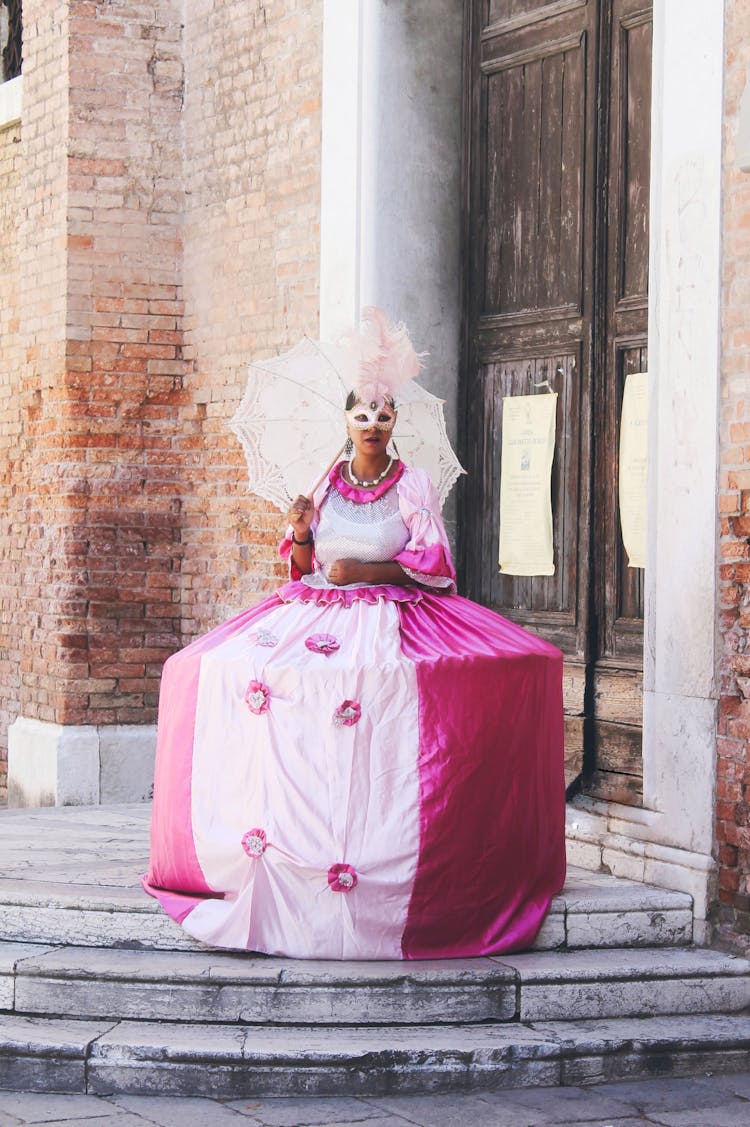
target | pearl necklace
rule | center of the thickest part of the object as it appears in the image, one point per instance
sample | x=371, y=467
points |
x=376, y=481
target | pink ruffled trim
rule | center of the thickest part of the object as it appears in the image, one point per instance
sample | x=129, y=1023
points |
x=354, y=493
x=296, y=591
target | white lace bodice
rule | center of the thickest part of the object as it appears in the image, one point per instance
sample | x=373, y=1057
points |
x=373, y=532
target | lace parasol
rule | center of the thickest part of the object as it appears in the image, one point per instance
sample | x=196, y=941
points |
x=291, y=422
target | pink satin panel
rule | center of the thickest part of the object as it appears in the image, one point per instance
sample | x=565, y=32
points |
x=175, y=904
x=173, y=863
x=492, y=814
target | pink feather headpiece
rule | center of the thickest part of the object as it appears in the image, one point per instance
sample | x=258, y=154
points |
x=385, y=356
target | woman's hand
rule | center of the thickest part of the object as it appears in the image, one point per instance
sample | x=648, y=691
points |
x=342, y=572
x=300, y=516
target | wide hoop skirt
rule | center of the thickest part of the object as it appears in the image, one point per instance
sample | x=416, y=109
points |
x=366, y=774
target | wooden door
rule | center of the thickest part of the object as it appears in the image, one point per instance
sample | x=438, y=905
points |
x=555, y=278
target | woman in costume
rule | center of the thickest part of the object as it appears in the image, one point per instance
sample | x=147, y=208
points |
x=365, y=764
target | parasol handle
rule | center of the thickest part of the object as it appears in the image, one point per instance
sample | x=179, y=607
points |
x=326, y=472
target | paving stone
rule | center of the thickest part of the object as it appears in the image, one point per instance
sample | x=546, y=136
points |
x=739, y=1085
x=693, y=1094
x=559, y=1105
x=304, y=1121
x=113, y=1118
x=186, y=1112
x=320, y=1112
x=566, y=1107
x=734, y=1114
x=459, y=1110
x=41, y=1107
x=609, y=1122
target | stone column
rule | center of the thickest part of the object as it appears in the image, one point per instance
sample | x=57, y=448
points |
x=670, y=841
x=390, y=224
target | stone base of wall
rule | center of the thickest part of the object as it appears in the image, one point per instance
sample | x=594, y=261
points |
x=79, y=764
x=624, y=841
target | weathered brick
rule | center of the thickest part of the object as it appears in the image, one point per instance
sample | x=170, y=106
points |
x=731, y=917
x=128, y=312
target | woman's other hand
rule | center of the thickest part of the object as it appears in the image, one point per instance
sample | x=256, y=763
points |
x=342, y=572
x=300, y=516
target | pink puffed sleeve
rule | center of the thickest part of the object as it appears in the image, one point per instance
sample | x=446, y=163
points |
x=285, y=547
x=426, y=558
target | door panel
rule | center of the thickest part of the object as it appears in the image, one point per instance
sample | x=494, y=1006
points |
x=556, y=189
x=623, y=237
x=528, y=293
x=545, y=601
x=534, y=197
x=504, y=15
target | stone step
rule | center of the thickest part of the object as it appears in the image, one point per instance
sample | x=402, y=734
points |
x=106, y=1057
x=101, y=992
x=71, y=875
x=221, y=988
x=593, y=910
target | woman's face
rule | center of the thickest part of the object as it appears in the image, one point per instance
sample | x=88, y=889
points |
x=369, y=425
x=370, y=441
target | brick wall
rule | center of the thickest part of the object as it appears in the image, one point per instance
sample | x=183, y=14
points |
x=124, y=366
x=32, y=206
x=159, y=226
x=252, y=171
x=11, y=431
x=732, y=914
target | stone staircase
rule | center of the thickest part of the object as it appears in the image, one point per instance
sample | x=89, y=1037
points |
x=100, y=992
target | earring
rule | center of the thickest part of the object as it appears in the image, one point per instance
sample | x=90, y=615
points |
x=348, y=448
x=395, y=448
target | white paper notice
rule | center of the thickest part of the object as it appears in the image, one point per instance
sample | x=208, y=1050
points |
x=633, y=461
x=528, y=448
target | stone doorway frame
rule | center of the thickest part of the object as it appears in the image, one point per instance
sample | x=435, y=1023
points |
x=669, y=841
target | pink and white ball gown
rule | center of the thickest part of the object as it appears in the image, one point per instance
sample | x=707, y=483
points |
x=362, y=772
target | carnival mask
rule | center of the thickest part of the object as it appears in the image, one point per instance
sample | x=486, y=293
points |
x=379, y=413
